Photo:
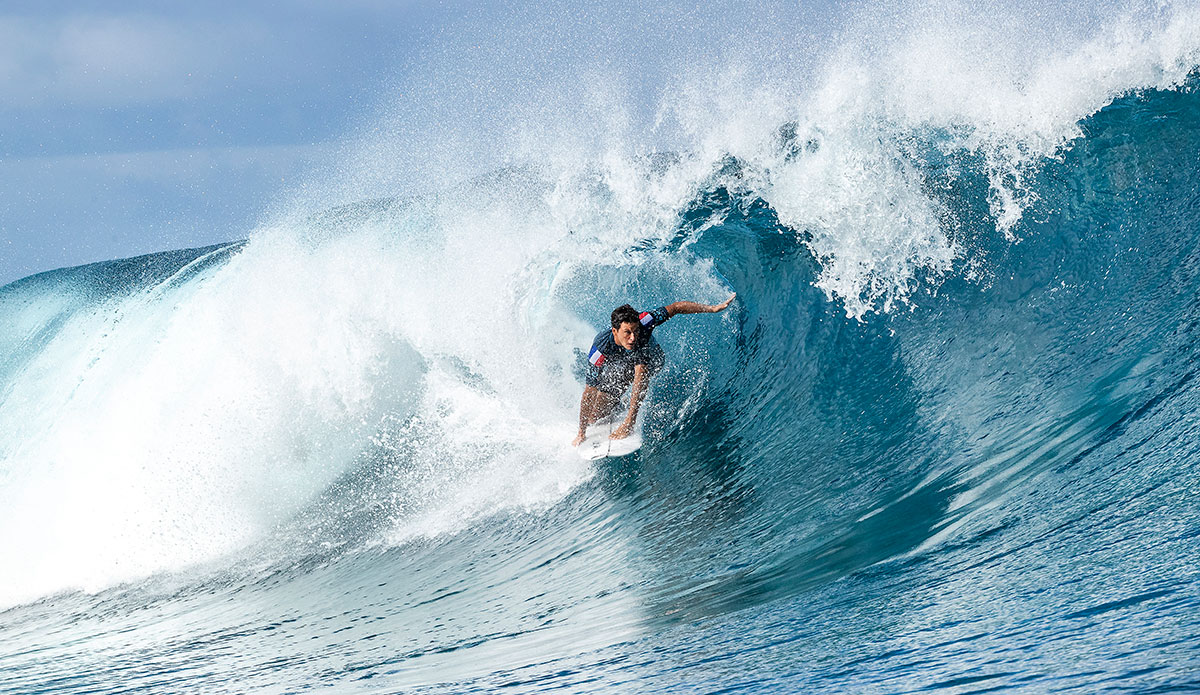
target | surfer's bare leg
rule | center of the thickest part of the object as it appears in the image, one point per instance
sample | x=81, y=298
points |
x=641, y=379
x=594, y=405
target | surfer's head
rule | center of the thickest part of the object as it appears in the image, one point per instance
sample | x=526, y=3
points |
x=626, y=327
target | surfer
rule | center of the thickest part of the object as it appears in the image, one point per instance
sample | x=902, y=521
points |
x=628, y=354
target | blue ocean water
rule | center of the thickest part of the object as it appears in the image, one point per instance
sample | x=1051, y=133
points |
x=945, y=441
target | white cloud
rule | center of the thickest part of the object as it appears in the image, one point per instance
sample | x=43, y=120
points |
x=120, y=59
x=173, y=167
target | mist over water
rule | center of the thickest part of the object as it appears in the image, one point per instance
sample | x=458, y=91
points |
x=943, y=440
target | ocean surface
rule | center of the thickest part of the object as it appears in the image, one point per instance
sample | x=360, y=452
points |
x=946, y=440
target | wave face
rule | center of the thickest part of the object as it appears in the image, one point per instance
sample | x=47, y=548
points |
x=944, y=440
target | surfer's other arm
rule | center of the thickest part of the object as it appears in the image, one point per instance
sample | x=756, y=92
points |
x=697, y=308
x=641, y=378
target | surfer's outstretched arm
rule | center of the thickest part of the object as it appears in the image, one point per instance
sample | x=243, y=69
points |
x=697, y=308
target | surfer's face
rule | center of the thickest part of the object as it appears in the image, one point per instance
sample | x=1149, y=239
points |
x=626, y=336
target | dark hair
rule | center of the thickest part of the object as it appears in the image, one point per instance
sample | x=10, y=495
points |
x=625, y=314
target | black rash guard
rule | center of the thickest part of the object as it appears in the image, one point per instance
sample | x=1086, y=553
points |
x=611, y=366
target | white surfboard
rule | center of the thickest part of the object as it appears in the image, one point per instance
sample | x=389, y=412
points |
x=597, y=445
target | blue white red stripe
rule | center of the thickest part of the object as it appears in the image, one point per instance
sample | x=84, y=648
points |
x=647, y=318
x=595, y=356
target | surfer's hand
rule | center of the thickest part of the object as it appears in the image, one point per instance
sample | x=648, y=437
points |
x=578, y=439
x=621, y=432
x=722, y=306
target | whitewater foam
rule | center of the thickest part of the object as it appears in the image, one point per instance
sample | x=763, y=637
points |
x=154, y=429
x=162, y=429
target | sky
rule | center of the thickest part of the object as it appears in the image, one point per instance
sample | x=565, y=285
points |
x=134, y=127
x=142, y=126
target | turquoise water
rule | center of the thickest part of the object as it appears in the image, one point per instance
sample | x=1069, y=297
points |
x=944, y=441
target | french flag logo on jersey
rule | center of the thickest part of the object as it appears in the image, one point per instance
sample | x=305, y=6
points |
x=647, y=318
x=596, y=357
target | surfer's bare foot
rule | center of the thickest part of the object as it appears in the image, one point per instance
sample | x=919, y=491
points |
x=621, y=432
x=578, y=439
